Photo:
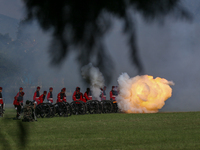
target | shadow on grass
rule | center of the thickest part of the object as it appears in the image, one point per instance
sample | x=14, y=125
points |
x=22, y=134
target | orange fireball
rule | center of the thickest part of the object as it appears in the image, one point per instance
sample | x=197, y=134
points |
x=142, y=94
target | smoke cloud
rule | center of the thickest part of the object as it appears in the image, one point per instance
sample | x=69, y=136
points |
x=95, y=78
x=142, y=94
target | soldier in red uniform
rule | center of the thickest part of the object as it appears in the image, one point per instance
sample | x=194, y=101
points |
x=60, y=96
x=87, y=95
x=19, y=102
x=50, y=95
x=36, y=95
x=18, y=94
x=20, y=91
x=42, y=97
x=15, y=98
x=103, y=93
x=113, y=93
x=1, y=97
x=64, y=95
x=77, y=96
x=15, y=102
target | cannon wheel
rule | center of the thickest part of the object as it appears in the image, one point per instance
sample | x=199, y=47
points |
x=78, y=107
x=48, y=110
x=37, y=111
x=65, y=109
x=53, y=110
x=69, y=109
x=86, y=108
x=107, y=106
x=115, y=106
x=100, y=107
x=60, y=106
x=43, y=110
x=93, y=106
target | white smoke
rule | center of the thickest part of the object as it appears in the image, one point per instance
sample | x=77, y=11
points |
x=95, y=78
x=142, y=94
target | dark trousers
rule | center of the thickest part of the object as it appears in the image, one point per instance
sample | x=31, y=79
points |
x=2, y=105
x=18, y=110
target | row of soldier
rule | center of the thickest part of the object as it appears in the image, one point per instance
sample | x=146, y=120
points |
x=61, y=97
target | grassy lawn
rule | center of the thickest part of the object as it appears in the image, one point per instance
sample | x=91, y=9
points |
x=104, y=131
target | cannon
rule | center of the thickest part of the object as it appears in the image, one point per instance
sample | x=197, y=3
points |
x=75, y=108
x=94, y=106
x=45, y=110
x=115, y=106
x=107, y=106
x=78, y=107
x=68, y=112
x=63, y=109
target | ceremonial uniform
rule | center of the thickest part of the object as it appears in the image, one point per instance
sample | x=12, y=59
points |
x=64, y=95
x=50, y=95
x=88, y=95
x=36, y=95
x=41, y=99
x=19, y=102
x=60, y=97
x=15, y=102
x=77, y=96
x=1, y=98
x=113, y=94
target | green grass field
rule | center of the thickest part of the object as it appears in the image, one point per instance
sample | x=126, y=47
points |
x=104, y=131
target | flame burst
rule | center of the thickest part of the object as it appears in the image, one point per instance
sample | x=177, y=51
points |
x=142, y=94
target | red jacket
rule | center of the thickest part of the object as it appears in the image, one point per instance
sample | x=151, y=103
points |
x=59, y=98
x=1, y=100
x=64, y=98
x=84, y=100
x=113, y=95
x=77, y=97
x=50, y=97
x=35, y=97
x=16, y=102
x=41, y=99
x=87, y=96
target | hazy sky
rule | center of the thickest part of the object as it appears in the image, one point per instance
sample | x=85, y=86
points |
x=170, y=50
x=12, y=8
